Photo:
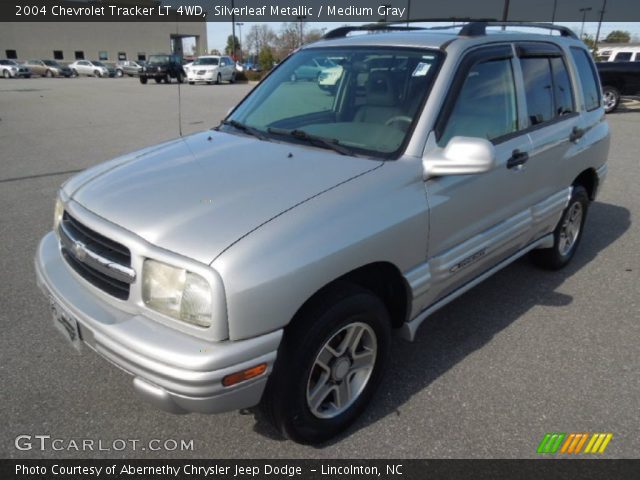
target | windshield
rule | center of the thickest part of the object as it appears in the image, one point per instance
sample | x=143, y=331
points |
x=364, y=99
x=98, y=64
x=206, y=61
x=155, y=59
x=51, y=63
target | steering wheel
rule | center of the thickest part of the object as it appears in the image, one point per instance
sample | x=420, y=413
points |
x=399, y=118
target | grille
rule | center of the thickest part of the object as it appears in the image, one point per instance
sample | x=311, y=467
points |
x=101, y=261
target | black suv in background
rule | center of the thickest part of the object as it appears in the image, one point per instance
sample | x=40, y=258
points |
x=163, y=66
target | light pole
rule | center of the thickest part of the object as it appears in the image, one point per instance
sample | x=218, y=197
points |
x=233, y=31
x=595, y=43
x=584, y=16
x=240, y=24
x=505, y=13
x=301, y=19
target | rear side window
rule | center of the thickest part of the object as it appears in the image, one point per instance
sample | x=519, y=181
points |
x=486, y=105
x=588, y=78
x=623, y=57
x=561, y=87
x=538, y=84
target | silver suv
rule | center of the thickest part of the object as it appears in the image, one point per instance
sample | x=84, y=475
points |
x=267, y=262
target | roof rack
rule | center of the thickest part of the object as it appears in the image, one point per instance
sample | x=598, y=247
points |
x=370, y=27
x=396, y=26
x=472, y=27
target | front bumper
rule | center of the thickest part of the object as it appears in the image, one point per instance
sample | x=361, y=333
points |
x=174, y=371
x=207, y=76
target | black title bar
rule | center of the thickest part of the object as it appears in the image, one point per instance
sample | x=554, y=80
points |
x=318, y=469
x=316, y=10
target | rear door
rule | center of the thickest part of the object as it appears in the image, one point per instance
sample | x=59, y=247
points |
x=554, y=127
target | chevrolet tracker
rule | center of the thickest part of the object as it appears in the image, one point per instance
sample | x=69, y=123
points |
x=268, y=262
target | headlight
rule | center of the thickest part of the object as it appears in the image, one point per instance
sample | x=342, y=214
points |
x=176, y=292
x=58, y=211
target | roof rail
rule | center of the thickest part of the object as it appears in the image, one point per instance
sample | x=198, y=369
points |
x=474, y=29
x=399, y=26
x=370, y=27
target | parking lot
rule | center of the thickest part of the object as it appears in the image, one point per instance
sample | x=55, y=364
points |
x=525, y=353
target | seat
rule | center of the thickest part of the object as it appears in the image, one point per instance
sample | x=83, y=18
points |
x=381, y=99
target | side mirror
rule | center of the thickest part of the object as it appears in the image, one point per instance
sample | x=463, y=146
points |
x=461, y=156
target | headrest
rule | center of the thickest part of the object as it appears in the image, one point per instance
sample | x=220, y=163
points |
x=380, y=90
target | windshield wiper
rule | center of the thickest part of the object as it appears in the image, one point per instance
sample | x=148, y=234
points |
x=245, y=128
x=330, y=143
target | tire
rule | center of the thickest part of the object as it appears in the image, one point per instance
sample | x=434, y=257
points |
x=321, y=330
x=233, y=78
x=218, y=79
x=192, y=83
x=143, y=80
x=6, y=74
x=157, y=79
x=611, y=97
x=97, y=74
x=48, y=74
x=119, y=73
x=567, y=235
x=167, y=78
x=180, y=78
x=74, y=73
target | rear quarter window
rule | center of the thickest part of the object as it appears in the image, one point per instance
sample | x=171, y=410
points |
x=588, y=78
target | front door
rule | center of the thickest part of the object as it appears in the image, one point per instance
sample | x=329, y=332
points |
x=478, y=220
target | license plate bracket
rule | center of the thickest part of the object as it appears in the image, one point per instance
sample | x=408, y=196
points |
x=66, y=324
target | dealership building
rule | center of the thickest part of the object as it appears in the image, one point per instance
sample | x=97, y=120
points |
x=107, y=41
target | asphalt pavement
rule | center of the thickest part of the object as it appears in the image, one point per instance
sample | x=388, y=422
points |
x=525, y=353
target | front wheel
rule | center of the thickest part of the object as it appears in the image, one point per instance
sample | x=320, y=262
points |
x=119, y=73
x=143, y=80
x=74, y=73
x=611, y=97
x=97, y=74
x=567, y=235
x=218, y=79
x=6, y=74
x=329, y=364
x=48, y=74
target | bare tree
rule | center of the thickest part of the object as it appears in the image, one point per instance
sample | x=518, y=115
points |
x=259, y=37
x=288, y=39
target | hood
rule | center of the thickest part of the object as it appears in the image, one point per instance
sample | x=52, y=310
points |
x=198, y=195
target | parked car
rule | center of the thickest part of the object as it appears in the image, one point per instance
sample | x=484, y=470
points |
x=91, y=68
x=211, y=68
x=269, y=260
x=11, y=68
x=127, y=67
x=48, y=68
x=328, y=78
x=618, y=79
x=161, y=67
x=628, y=53
x=312, y=69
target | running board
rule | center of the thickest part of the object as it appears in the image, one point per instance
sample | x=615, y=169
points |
x=408, y=330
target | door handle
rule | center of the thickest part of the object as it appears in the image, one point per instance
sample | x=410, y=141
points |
x=517, y=159
x=576, y=134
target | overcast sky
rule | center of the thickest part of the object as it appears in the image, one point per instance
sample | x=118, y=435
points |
x=218, y=32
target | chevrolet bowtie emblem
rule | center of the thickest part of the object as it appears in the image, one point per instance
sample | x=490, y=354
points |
x=79, y=250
